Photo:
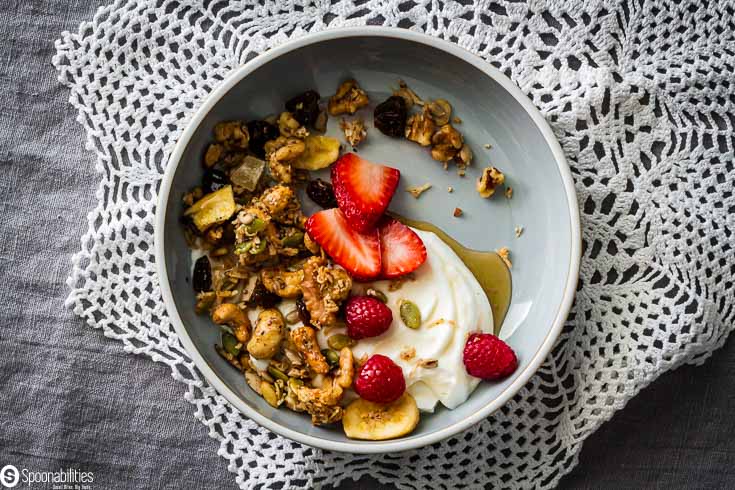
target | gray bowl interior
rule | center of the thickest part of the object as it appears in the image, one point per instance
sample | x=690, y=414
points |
x=541, y=256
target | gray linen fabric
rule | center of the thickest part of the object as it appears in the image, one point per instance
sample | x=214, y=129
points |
x=71, y=398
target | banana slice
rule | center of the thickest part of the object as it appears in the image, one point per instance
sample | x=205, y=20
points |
x=212, y=209
x=321, y=152
x=377, y=421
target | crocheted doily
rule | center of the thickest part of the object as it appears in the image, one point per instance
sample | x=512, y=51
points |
x=640, y=95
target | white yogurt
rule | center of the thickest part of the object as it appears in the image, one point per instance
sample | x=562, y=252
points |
x=452, y=306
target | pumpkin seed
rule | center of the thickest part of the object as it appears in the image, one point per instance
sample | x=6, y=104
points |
x=292, y=316
x=340, y=340
x=410, y=314
x=277, y=373
x=258, y=247
x=231, y=344
x=331, y=356
x=377, y=294
x=243, y=248
x=269, y=393
x=294, y=239
x=255, y=226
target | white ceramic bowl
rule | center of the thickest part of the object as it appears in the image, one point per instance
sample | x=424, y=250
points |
x=493, y=110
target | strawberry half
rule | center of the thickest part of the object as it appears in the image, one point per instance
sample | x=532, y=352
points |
x=402, y=251
x=358, y=253
x=363, y=189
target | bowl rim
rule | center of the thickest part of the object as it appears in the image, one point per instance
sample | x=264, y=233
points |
x=368, y=447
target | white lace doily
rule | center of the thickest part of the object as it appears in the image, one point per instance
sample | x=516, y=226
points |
x=640, y=95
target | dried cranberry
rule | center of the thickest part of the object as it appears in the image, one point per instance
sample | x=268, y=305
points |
x=321, y=193
x=304, y=107
x=202, y=280
x=390, y=116
x=214, y=180
x=263, y=298
x=260, y=133
x=304, y=314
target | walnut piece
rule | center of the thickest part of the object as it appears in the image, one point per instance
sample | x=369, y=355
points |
x=324, y=288
x=354, y=130
x=289, y=127
x=490, y=179
x=408, y=95
x=446, y=143
x=286, y=284
x=348, y=99
x=233, y=135
x=420, y=128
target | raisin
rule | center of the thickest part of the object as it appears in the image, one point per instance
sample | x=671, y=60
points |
x=260, y=133
x=321, y=193
x=263, y=298
x=304, y=107
x=390, y=116
x=202, y=280
x=304, y=314
x=214, y=180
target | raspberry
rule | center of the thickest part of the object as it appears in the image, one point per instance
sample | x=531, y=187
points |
x=488, y=357
x=366, y=317
x=380, y=380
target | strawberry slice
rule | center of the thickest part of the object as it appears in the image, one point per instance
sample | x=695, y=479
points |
x=402, y=250
x=363, y=189
x=358, y=253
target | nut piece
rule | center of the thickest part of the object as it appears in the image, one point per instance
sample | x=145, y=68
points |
x=280, y=152
x=267, y=334
x=446, y=143
x=285, y=284
x=289, y=127
x=214, y=153
x=407, y=353
x=304, y=338
x=420, y=127
x=464, y=156
x=234, y=317
x=490, y=179
x=427, y=363
x=504, y=254
x=324, y=288
x=233, y=135
x=348, y=99
x=440, y=111
x=457, y=212
x=408, y=95
x=346, y=368
x=418, y=190
x=354, y=130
